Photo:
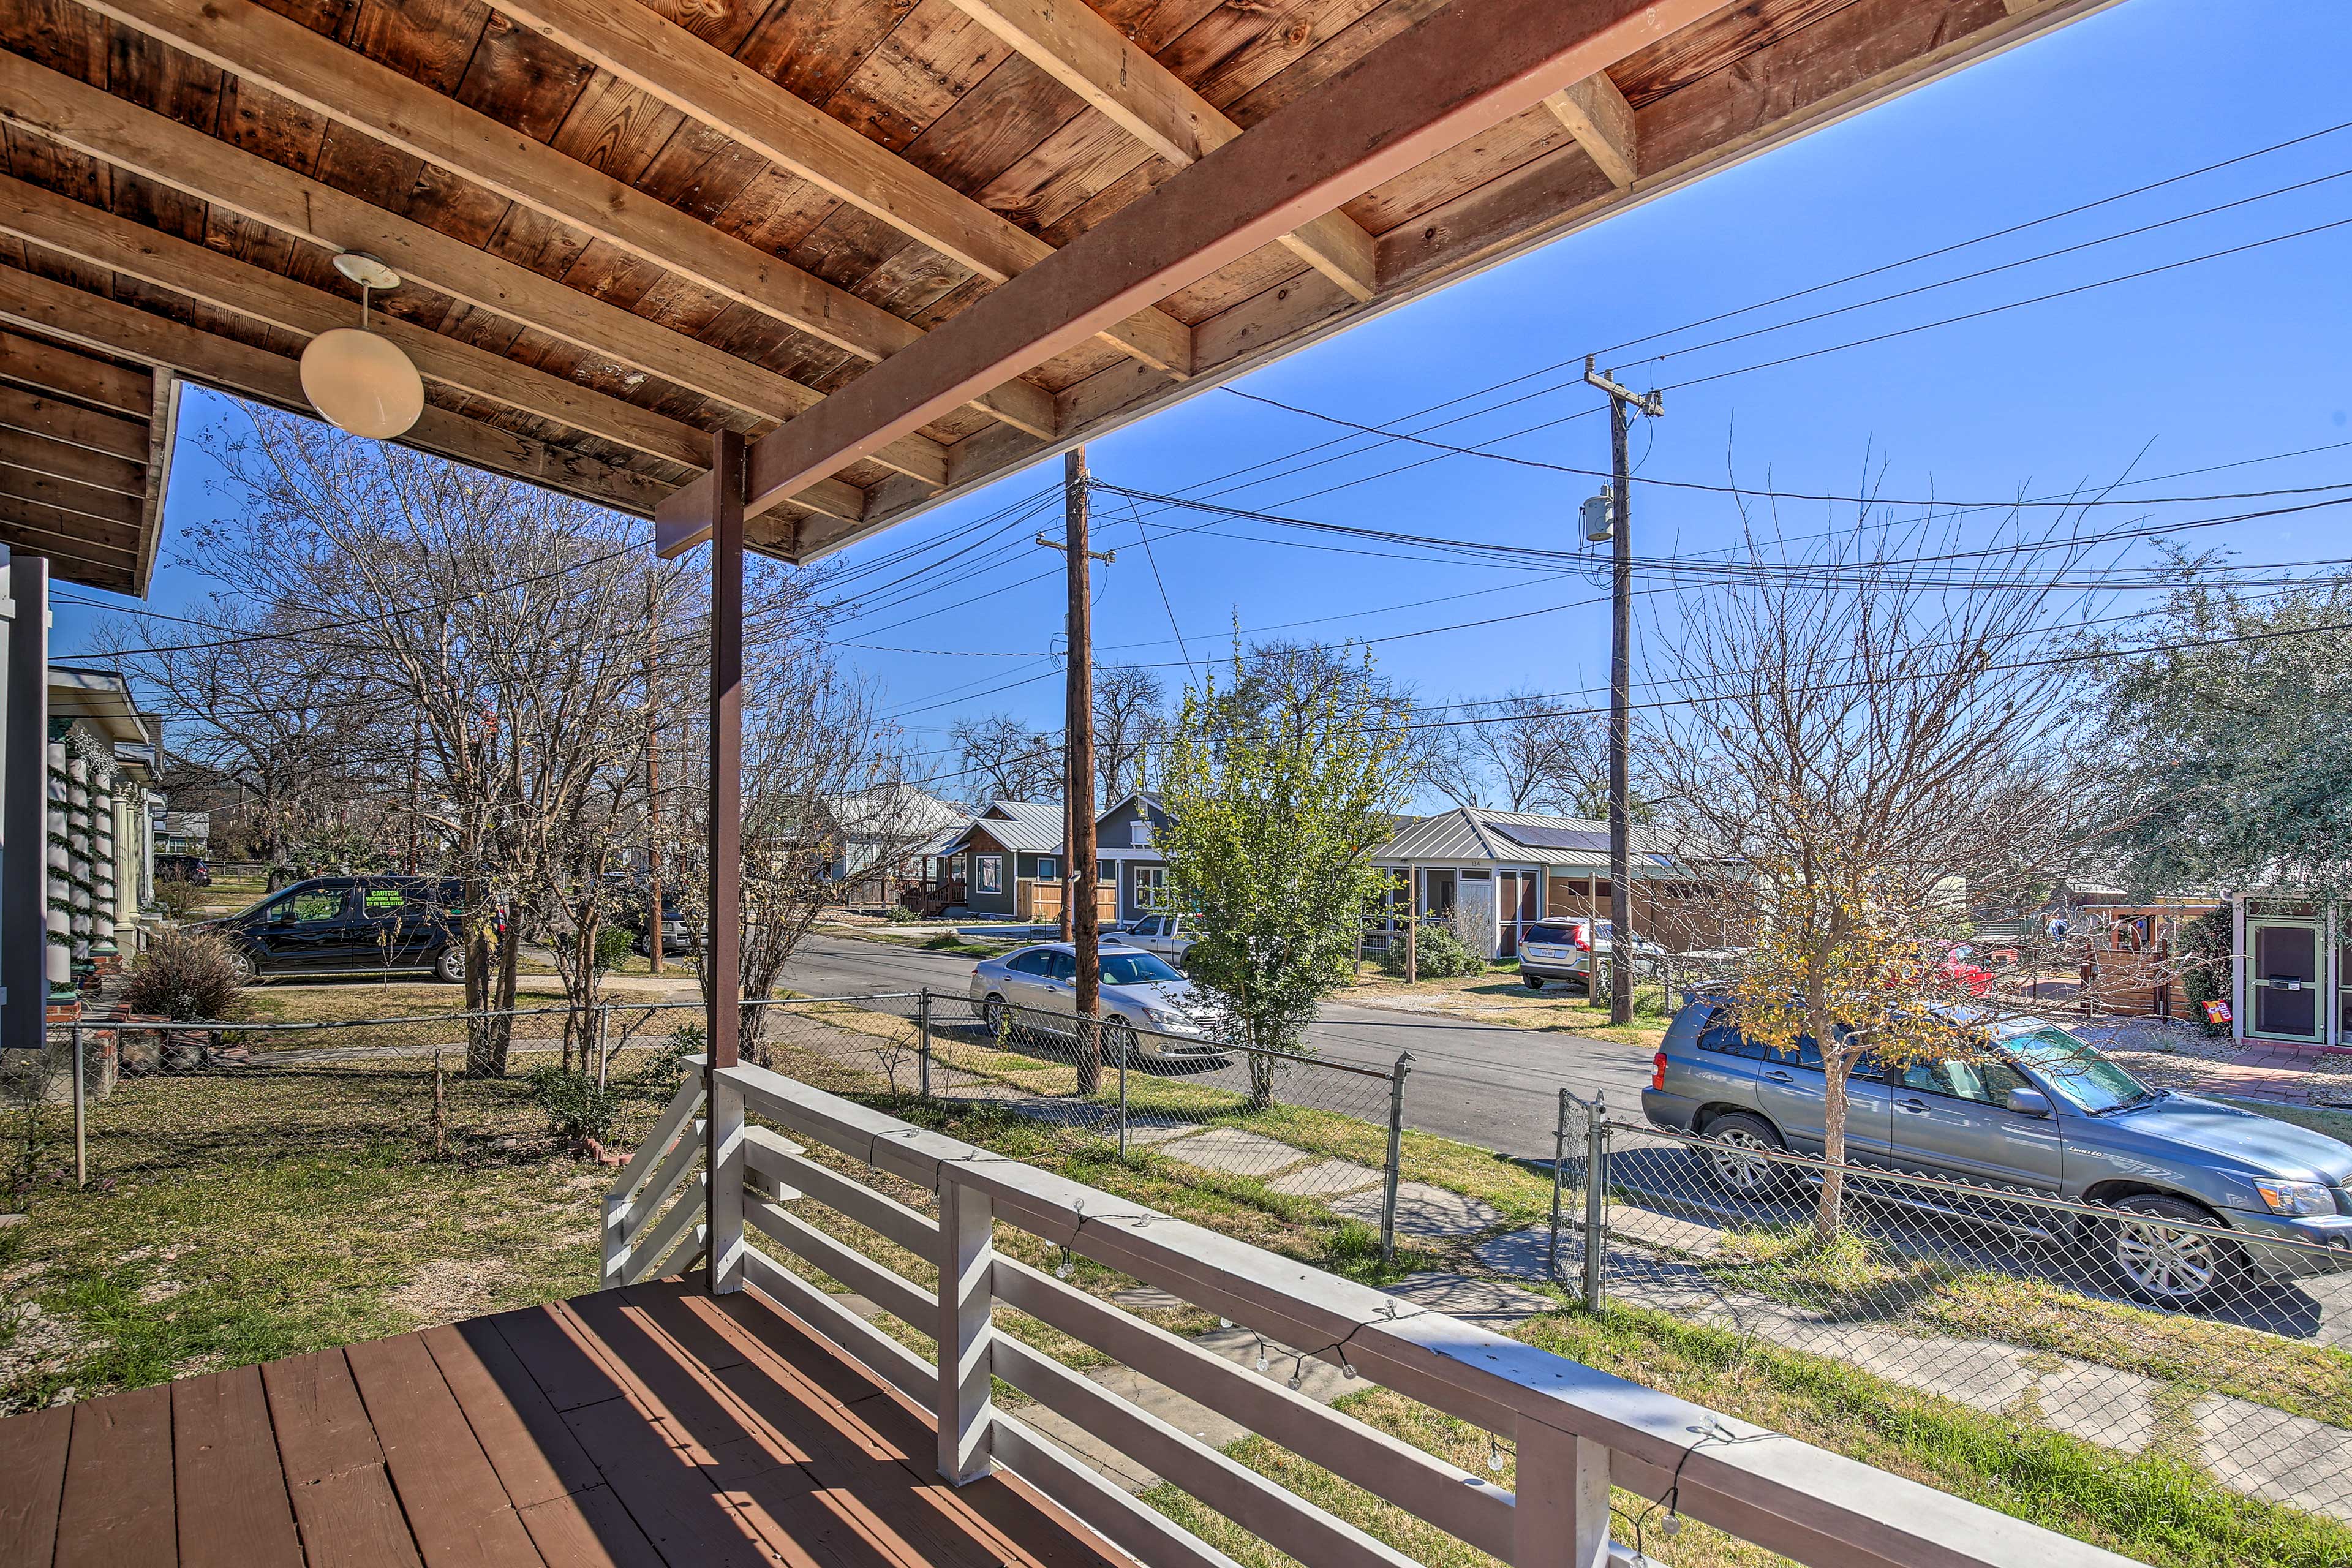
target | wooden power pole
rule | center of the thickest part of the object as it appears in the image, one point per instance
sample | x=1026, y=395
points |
x=1620, y=691
x=653, y=905
x=1078, y=783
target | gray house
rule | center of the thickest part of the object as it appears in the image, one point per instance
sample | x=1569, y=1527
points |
x=1491, y=874
x=1002, y=854
x=1126, y=839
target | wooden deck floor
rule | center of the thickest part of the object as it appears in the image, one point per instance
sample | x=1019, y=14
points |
x=652, y=1426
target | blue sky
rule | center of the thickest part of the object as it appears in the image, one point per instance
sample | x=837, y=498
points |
x=2232, y=359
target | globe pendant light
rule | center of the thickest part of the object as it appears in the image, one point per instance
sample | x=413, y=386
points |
x=360, y=382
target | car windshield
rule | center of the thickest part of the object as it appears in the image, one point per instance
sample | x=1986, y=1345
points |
x=1136, y=969
x=2075, y=1072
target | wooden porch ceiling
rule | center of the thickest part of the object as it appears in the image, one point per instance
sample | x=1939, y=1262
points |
x=629, y=223
x=85, y=450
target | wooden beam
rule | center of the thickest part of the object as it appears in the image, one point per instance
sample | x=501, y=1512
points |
x=65, y=495
x=1598, y=116
x=57, y=223
x=59, y=310
x=94, y=540
x=72, y=424
x=163, y=437
x=70, y=556
x=46, y=367
x=1457, y=73
x=88, y=120
x=658, y=56
x=39, y=455
x=1072, y=43
x=352, y=89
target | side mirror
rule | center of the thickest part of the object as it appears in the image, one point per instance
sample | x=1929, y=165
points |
x=2029, y=1102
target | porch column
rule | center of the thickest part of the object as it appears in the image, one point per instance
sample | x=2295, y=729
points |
x=24, y=810
x=723, y=1157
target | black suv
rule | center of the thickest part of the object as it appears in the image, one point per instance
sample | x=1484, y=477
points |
x=352, y=925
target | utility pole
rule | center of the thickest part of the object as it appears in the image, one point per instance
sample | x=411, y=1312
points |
x=415, y=766
x=654, y=910
x=1620, y=689
x=1079, y=783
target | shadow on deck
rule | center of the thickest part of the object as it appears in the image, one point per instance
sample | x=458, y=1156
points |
x=649, y=1426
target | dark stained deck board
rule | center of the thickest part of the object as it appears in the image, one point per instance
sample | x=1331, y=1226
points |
x=233, y=1508
x=32, y=1457
x=118, y=1503
x=650, y=1427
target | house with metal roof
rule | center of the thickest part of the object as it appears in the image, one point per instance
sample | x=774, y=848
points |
x=1491, y=874
x=1003, y=852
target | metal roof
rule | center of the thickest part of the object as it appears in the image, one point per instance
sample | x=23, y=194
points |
x=1034, y=826
x=1474, y=833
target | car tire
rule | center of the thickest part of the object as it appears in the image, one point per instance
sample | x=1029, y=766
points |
x=996, y=1018
x=241, y=961
x=449, y=964
x=1534, y=982
x=1735, y=1156
x=2162, y=1267
x=1120, y=1046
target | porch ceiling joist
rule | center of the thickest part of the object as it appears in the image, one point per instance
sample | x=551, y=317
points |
x=378, y=101
x=1076, y=46
x=45, y=367
x=1453, y=75
x=74, y=114
x=658, y=56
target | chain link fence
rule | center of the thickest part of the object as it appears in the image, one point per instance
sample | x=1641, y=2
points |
x=2140, y=1326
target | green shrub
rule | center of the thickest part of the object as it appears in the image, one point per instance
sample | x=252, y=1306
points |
x=182, y=975
x=613, y=945
x=665, y=1073
x=175, y=899
x=1440, y=955
x=578, y=1108
x=2204, y=947
x=900, y=915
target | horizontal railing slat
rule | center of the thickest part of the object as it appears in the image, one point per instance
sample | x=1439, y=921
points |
x=1149, y=1536
x=891, y=1292
x=885, y=1216
x=1283, y=1519
x=1452, y=1498
x=888, y=1360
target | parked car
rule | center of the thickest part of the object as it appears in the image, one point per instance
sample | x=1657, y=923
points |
x=189, y=868
x=630, y=914
x=1149, y=1011
x=352, y=925
x=1170, y=936
x=2046, y=1114
x=1567, y=948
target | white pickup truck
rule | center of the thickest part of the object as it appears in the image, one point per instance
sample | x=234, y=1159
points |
x=1170, y=936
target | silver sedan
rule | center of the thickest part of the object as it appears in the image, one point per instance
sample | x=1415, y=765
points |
x=1149, y=1011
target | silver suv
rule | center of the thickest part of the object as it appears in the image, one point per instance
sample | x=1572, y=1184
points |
x=2051, y=1116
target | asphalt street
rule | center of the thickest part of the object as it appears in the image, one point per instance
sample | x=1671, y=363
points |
x=1494, y=1087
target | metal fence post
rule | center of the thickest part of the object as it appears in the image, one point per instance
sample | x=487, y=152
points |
x=1396, y=1156
x=1596, y=1190
x=923, y=1043
x=1125, y=1052
x=603, y=1040
x=81, y=1113
x=1559, y=1169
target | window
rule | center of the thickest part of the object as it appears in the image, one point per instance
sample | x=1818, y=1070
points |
x=1983, y=1083
x=1148, y=926
x=1048, y=869
x=1151, y=887
x=1030, y=962
x=1139, y=833
x=991, y=872
x=1136, y=969
x=1477, y=875
x=1060, y=966
x=309, y=905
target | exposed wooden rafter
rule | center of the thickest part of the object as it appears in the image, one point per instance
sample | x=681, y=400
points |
x=1072, y=43
x=658, y=56
x=352, y=89
x=1597, y=115
x=1458, y=72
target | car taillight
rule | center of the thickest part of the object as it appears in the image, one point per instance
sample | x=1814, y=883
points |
x=1658, y=1070
x=1584, y=938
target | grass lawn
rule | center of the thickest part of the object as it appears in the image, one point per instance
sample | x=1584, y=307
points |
x=1500, y=996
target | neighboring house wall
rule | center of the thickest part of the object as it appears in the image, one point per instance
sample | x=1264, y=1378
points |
x=1138, y=867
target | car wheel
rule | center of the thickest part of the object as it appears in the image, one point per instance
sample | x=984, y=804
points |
x=1118, y=1042
x=1738, y=1155
x=1535, y=982
x=2161, y=1265
x=241, y=963
x=996, y=1018
x=449, y=964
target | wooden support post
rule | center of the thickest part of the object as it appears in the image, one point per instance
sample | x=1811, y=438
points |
x=723, y=1156
x=1561, y=1516
x=967, y=1261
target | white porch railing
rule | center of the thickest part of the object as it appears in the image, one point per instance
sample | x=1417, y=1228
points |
x=1576, y=1430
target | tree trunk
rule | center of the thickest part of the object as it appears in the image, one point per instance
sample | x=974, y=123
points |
x=1827, y=1218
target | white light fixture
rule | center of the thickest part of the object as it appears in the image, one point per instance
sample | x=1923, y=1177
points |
x=360, y=382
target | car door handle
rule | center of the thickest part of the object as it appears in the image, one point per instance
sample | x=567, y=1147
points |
x=1917, y=1106
x=1778, y=1078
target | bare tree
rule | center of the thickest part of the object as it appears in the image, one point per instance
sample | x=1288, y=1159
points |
x=1130, y=724
x=1865, y=749
x=1526, y=752
x=1003, y=759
